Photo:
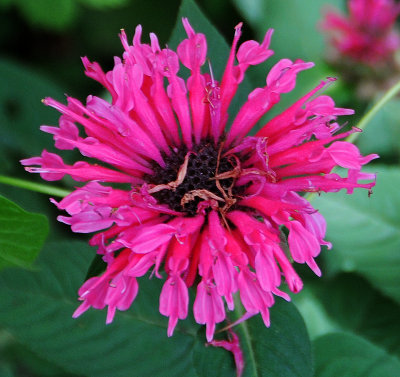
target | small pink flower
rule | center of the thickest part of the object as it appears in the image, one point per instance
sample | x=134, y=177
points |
x=203, y=203
x=367, y=34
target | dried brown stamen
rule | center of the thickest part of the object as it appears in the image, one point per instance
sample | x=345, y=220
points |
x=203, y=175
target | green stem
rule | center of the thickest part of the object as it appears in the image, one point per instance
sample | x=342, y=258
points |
x=374, y=109
x=38, y=187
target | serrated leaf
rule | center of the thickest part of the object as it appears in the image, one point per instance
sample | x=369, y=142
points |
x=22, y=235
x=365, y=231
x=217, y=52
x=347, y=355
x=282, y=350
x=36, y=307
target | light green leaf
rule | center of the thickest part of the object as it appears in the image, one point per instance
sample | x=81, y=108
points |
x=347, y=355
x=297, y=35
x=22, y=234
x=383, y=133
x=365, y=231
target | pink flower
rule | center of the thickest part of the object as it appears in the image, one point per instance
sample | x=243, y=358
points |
x=198, y=202
x=367, y=34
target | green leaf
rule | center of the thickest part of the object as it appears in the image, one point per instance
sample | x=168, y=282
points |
x=354, y=304
x=21, y=112
x=383, y=133
x=34, y=202
x=297, y=35
x=97, y=267
x=36, y=307
x=22, y=235
x=318, y=321
x=49, y=14
x=6, y=370
x=282, y=350
x=211, y=361
x=218, y=48
x=347, y=355
x=101, y=4
x=365, y=231
x=19, y=359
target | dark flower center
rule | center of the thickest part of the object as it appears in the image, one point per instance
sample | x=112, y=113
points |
x=193, y=177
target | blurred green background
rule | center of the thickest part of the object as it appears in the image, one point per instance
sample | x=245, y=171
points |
x=41, y=42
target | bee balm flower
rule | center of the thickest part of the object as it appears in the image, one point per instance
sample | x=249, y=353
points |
x=367, y=35
x=204, y=204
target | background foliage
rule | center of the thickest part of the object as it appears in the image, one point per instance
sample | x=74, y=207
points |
x=351, y=313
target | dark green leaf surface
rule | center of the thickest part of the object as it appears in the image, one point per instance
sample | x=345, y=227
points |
x=282, y=350
x=22, y=234
x=20, y=360
x=347, y=355
x=21, y=113
x=37, y=307
x=358, y=307
x=210, y=361
x=101, y=4
x=217, y=47
x=365, y=231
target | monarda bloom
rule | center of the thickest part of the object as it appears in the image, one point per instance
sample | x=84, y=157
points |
x=367, y=34
x=199, y=202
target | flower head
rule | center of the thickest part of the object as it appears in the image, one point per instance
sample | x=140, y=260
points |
x=367, y=34
x=203, y=204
